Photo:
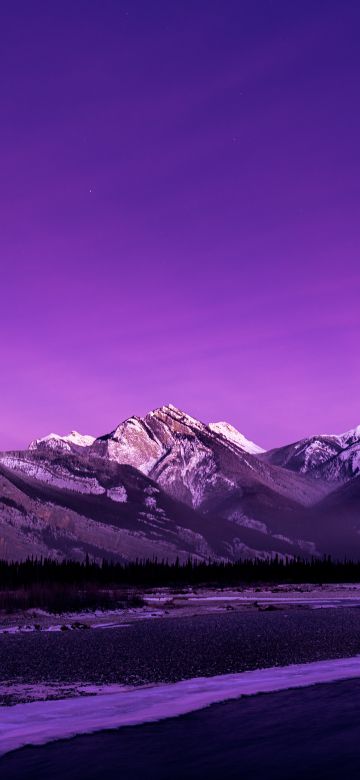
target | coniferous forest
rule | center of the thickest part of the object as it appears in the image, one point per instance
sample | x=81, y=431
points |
x=61, y=586
x=154, y=573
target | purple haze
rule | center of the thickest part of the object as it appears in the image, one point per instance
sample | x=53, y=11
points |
x=179, y=214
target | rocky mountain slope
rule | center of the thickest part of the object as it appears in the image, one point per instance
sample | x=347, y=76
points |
x=334, y=523
x=168, y=485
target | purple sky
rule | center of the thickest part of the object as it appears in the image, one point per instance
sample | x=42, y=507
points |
x=179, y=214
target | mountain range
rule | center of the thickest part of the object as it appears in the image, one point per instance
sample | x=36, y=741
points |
x=170, y=486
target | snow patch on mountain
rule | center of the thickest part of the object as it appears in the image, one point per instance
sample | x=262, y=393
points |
x=350, y=437
x=118, y=494
x=150, y=502
x=248, y=522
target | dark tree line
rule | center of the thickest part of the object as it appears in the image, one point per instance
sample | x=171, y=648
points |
x=148, y=573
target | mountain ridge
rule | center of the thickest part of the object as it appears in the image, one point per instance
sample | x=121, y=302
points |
x=168, y=485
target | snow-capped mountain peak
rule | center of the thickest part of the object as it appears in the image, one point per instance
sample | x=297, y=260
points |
x=142, y=441
x=80, y=439
x=55, y=441
x=234, y=436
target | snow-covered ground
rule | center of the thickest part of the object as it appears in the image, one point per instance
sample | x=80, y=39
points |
x=168, y=603
x=198, y=600
x=94, y=708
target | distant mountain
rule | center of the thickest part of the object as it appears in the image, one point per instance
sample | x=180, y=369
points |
x=305, y=456
x=328, y=457
x=168, y=485
x=343, y=466
x=55, y=442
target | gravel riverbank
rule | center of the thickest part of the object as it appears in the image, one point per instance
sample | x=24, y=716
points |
x=151, y=651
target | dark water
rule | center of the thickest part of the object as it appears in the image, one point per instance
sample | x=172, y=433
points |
x=308, y=733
